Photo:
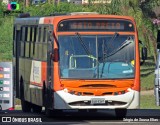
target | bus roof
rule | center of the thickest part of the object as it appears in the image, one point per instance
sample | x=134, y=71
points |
x=40, y=20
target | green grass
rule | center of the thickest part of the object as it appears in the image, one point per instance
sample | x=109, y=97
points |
x=147, y=83
x=147, y=74
x=6, y=31
x=148, y=102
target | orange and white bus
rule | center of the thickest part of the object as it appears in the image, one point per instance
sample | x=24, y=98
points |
x=77, y=61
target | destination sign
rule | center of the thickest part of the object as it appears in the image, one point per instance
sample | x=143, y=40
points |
x=95, y=25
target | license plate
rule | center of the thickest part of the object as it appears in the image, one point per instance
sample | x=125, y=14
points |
x=97, y=101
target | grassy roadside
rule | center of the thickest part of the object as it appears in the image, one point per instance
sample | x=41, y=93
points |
x=6, y=31
x=147, y=74
x=147, y=101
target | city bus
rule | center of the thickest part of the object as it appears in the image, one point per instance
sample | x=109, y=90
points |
x=76, y=61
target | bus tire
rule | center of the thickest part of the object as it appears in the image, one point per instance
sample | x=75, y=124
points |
x=48, y=112
x=44, y=96
x=93, y=110
x=26, y=106
x=82, y=110
x=36, y=108
x=120, y=113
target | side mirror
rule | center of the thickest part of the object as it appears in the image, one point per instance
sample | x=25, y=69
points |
x=144, y=53
x=140, y=42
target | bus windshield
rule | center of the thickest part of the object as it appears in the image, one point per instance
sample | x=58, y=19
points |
x=96, y=56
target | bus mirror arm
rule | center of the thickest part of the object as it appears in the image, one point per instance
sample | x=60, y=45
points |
x=144, y=55
x=143, y=52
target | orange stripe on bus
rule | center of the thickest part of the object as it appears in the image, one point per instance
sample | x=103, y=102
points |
x=36, y=84
x=44, y=72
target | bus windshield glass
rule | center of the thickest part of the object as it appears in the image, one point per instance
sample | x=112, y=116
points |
x=96, y=56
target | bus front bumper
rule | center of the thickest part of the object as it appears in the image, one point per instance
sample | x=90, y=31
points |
x=64, y=100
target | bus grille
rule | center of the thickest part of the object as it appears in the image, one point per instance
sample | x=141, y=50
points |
x=88, y=103
x=92, y=93
x=98, y=85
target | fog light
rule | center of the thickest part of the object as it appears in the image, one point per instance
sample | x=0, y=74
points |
x=129, y=89
x=65, y=90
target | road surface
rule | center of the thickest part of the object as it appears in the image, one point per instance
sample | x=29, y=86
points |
x=72, y=117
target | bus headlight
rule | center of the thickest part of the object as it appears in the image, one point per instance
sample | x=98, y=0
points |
x=65, y=90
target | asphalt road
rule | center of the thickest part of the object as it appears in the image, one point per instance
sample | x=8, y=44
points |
x=72, y=117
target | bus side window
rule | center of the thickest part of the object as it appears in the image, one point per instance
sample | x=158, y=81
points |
x=14, y=41
x=45, y=34
x=28, y=34
x=27, y=43
x=39, y=34
x=44, y=49
x=23, y=38
x=35, y=39
x=35, y=45
x=39, y=44
x=32, y=42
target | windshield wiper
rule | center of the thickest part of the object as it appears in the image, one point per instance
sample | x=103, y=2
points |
x=105, y=51
x=124, y=44
x=83, y=44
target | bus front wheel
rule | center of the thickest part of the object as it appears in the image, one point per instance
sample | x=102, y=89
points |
x=36, y=108
x=120, y=113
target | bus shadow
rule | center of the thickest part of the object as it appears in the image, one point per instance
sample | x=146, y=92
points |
x=148, y=69
x=86, y=115
x=106, y=114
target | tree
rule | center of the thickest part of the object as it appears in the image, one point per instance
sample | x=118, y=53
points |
x=27, y=3
x=144, y=25
x=51, y=1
